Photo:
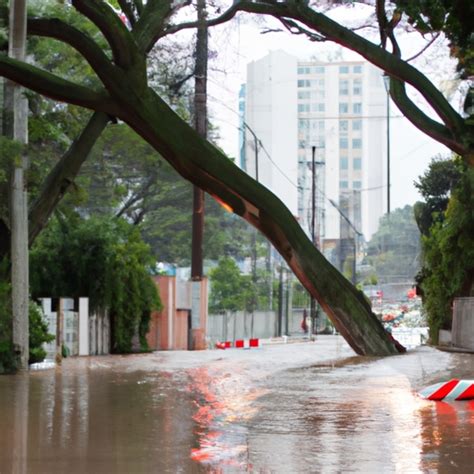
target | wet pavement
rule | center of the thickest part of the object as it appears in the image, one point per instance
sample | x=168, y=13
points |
x=288, y=408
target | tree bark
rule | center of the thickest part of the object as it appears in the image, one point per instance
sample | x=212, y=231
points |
x=63, y=174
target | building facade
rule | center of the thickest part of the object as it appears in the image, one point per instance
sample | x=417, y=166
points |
x=334, y=112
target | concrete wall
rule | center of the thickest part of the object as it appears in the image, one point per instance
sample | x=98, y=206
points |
x=271, y=112
x=463, y=323
x=230, y=326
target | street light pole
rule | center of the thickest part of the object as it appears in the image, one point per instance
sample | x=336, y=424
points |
x=386, y=80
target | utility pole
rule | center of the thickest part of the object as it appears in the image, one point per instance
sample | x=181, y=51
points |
x=313, y=232
x=386, y=80
x=388, y=153
x=17, y=122
x=256, y=158
x=357, y=234
x=254, y=256
x=200, y=124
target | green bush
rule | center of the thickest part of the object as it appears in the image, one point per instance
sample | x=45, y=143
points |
x=38, y=334
x=448, y=257
x=103, y=259
x=8, y=363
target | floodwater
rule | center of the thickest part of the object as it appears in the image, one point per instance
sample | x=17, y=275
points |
x=288, y=408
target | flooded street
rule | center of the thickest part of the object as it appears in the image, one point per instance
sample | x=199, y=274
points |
x=302, y=407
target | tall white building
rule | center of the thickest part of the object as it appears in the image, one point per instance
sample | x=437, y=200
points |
x=338, y=112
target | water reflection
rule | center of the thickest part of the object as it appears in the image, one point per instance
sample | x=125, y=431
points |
x=224, y=402
x=91, y=419
x=361, y=418
x=237, y=414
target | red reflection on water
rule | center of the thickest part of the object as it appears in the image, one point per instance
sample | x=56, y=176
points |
x=221, y=399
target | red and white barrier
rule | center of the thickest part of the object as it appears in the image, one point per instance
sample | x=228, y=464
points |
x=239, y=344
x=452, y=390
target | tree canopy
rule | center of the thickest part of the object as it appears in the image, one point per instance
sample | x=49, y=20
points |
x=394, y=250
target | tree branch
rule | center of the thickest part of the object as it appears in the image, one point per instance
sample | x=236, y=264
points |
x=151, y=25
x=63, y=174
x=127, y=9
x=138, y=196
x=386, y=61
x=422, y=121
x=119, y=38
x=91, y=52
x=422, y=50
x=337, y=33
x=139, y=6
x=296, y=29
x=55, y=87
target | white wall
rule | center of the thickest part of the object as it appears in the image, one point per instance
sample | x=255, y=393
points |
x=271, y=111
x=374, y=201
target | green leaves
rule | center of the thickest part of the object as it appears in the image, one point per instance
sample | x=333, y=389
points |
x=101, y=258
x=394, y=249
x=448, y=255
x=38, y=334
x=228, y=287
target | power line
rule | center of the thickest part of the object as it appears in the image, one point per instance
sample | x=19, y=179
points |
x=298, y=188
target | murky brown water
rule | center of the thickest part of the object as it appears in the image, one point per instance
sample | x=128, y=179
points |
x=264, y=411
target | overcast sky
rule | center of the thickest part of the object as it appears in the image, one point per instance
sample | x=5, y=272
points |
x=239, y=42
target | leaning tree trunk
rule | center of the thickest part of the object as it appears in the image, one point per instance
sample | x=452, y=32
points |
x=204, y=165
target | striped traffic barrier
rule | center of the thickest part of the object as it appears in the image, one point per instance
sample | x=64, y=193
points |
x=239, y=344
x=246, y=343
x=454, y=389
x=223, y=345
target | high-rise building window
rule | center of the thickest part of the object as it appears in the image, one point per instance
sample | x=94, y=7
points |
x=343, y=69
x=356, y=125
x=318, y=107
x=343, y=87
x=318, y=94
x=343, y=184
x=303, y=108
x=343, y=125
x=357, y=69
x=356, y=143
x=356, y=184
x=303, y=124
x=318, y=69
x=344, y=163
x=304, y=83
x=357, y=164
x=343, y=143
x=304, y=95
x=343, y=108
x=357, y=108
x=304, y=70
x=357, y=87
